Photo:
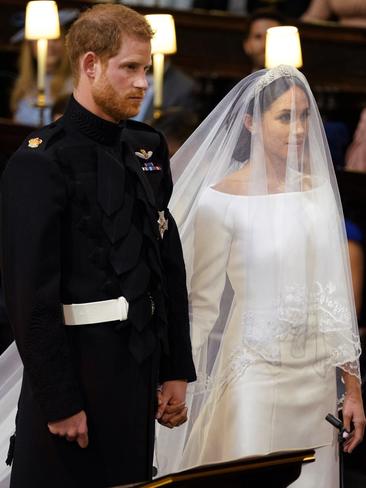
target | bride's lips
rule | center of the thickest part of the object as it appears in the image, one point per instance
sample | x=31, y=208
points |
x=295, y=144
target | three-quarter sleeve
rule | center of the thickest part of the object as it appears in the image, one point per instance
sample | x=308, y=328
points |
x=32, y=201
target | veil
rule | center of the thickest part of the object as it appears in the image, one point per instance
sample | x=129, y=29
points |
x=261, y=223
x=11, y=371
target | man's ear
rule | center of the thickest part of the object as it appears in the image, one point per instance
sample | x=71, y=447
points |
x=89, y=64
x=248, y=123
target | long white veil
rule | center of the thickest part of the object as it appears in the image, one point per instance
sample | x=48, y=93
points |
x=263, y=147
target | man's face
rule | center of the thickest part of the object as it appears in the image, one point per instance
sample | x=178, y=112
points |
x=120, y=82
x=255, y=44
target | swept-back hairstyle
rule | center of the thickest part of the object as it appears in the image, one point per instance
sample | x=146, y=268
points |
x=101, y=29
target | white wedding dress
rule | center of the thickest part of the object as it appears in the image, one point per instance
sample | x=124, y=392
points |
x=258, y=406
x=271, y=301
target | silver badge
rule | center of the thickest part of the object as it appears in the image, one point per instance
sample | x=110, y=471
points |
x=163, y=223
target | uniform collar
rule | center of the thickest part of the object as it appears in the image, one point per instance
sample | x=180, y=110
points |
x=98, y=129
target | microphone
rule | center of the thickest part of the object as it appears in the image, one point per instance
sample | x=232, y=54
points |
x=338, y=424
x=342, y=436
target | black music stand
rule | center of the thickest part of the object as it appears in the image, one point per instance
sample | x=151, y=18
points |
x=277, y=470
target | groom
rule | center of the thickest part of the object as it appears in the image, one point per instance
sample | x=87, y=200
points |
x=93, y=273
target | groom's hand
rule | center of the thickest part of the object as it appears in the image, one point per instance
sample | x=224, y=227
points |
x=172, y=410
x=74, y=428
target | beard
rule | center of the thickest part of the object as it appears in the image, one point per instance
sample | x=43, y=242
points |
x=116, y=105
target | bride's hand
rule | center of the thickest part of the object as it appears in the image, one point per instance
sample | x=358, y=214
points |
x=353, y=413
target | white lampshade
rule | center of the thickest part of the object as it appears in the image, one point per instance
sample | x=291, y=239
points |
x=283, y=46
x=164, y=40
x=41, y=20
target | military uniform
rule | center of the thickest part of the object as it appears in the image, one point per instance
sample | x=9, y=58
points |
x=85, y=219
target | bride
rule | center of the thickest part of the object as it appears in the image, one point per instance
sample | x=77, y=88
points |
x=272, y=310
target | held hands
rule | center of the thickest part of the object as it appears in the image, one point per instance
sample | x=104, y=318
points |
x=353, y=415
x=74, y=428
x=172, y=410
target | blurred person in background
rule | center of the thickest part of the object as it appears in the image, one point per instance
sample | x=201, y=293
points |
x=58, y=75
x=179, y=90
x=289, y=8
x=346, y=12
x=254, y=44
x=356, y=153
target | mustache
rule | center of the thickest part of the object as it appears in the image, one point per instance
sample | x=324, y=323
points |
x=136, y=93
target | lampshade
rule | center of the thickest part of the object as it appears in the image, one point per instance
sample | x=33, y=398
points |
x=283, y=47
x=41, y=20
x=164, y=40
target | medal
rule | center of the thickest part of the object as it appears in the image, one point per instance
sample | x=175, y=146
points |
x=35, y=142
x=163, y=223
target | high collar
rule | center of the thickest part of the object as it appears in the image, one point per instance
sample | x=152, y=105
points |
x=91, y=125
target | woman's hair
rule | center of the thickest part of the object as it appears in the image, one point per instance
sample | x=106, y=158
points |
x=273, y=91
x=100, y=29
x=26, y=80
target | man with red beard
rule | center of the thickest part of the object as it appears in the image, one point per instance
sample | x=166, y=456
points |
x=93, y=273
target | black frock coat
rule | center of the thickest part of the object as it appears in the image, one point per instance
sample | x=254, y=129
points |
x=79, y=215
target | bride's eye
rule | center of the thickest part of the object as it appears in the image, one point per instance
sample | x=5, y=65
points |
x=305, y=115
x=284, y=117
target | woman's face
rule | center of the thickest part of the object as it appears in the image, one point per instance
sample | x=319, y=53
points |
x=285, y=125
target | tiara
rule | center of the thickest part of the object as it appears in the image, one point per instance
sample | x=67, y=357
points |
x=274, y=74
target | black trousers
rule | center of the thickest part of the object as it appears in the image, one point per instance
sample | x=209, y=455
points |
x=120, y=403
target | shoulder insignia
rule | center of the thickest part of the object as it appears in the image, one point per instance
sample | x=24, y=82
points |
x=144, y=154
x=35, y=142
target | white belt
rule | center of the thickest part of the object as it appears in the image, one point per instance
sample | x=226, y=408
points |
x=96, y=312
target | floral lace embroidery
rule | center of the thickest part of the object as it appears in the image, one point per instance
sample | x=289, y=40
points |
x=298, y=314
x=238, y=362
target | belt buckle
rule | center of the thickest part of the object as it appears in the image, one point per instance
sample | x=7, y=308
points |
x=123, y=308
x=152, y=303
